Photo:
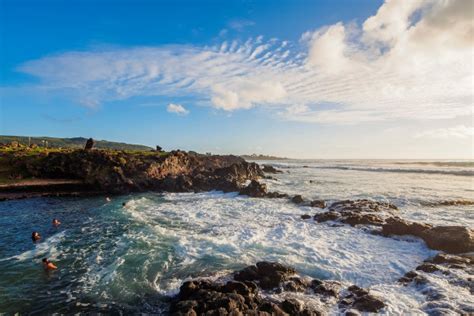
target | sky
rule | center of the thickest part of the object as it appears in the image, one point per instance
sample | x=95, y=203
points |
x=328, y=79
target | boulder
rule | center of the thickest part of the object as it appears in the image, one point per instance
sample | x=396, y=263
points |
x=296, y=284
x=451, y=239
x=398, y=226
x=276, y=195
x=354, y=219
x=255, y=189
x=270, y=169
x=362, y=205
x=269, y=275
x=297, y=199
x=318, y=203
x=326, y=288
x=305, y=216
x=427, y=267
x=360, y=299
x=326, y=216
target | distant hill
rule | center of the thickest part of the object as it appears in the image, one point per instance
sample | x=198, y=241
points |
x=261, y=157
x=76, y=142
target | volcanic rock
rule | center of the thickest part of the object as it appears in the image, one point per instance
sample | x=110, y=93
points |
x=270, y=169
x=318, y=203
x=255, y=189
x=361, y=300
x=297, y=199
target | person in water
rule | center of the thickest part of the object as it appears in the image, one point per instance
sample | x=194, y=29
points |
x=56, y=222
x=48, y=265
x=35, y=236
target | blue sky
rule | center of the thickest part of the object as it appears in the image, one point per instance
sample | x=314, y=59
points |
x=313, y=79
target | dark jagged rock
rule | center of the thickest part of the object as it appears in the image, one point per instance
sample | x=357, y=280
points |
x=297, y=199
x=255, y=189
x=327, y=288
x=203, y=297
x=318, y=203
x=269, y=275
x=451, y=239
x=326, y=216
x=361, y=300
x=408, y=277
x=362, y=205
x=270, y=169
x=122, y=172
x=276, y=195
x=305, y=216
x=427, y=267
x=398, y=226
x=296, y=284
x=354, y=219
x=89, y=144
x=443, y=258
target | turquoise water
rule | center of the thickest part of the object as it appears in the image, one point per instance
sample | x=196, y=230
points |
x=131, y=259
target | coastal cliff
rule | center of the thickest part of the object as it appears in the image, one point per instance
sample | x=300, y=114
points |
x=119, y=172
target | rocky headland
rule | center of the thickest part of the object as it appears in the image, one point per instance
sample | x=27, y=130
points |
x=120, y=172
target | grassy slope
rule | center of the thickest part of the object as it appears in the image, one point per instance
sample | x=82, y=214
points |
x=77, y=142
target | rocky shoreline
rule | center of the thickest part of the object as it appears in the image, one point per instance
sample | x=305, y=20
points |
x=118, y=172
x=249, y=291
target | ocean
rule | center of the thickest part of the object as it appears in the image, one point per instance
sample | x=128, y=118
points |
x=116, y=259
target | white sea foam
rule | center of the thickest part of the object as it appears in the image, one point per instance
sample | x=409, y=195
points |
x=228, y=229
x=45, y=248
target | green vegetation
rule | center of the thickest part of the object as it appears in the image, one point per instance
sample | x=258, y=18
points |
x=14, y=156
x=76, y=142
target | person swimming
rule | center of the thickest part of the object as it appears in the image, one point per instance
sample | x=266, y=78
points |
x=56, y=222
x=48, y=265
x=35, y=236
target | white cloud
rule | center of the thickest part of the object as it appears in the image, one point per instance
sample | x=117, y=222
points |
x=240, y=24
x=177, y=108
x=459, y=131
x=411, y=60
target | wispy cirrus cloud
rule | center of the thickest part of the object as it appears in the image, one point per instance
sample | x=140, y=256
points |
x=411, y=60
x=458, y=131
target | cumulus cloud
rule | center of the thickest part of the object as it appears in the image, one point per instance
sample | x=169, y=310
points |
x=177, y=108
x=411, y=60
x=459, y=131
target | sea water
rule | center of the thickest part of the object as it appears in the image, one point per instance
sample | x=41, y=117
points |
x=132, y=258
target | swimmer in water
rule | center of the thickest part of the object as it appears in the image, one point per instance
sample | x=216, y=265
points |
x=56, y=222
x=48, y=265
x=35, y=236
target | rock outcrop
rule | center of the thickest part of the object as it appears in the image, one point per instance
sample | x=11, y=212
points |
x=453, y=269
x=450, y=239
x=122, y=172
x=270, y=169
x=255, y=189
x=242, y=295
